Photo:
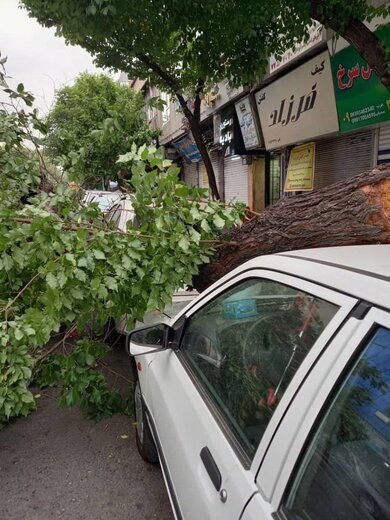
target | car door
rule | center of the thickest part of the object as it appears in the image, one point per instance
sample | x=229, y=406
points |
x=330, y=457
x=213, y=400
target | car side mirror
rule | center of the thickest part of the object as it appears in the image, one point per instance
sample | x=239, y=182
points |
x=145, y=340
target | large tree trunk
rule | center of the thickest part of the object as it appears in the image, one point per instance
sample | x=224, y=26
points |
x=355, y=211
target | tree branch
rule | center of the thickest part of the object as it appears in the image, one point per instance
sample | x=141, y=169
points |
x=357, y=34
x=170, y=80
x=198, y=100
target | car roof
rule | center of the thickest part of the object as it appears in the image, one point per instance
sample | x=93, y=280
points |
x=359, y=271
x=373, y=260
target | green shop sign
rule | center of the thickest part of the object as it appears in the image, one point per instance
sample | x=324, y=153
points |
x=361, y=98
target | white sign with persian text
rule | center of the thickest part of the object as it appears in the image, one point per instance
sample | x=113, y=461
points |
x=247, y=122
x=299, y=106
x=315, y=37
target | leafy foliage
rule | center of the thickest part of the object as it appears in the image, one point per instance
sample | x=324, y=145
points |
x=62, y=264
x=91, y=123
x=191, y=40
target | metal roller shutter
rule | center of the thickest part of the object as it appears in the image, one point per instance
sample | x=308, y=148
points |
x=342, y=157
x=203, y=180
x=236, y=179
x=384, y=144
x=191, y=174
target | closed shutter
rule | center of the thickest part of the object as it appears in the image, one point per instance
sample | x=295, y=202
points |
x=342, y=157
x=203, y=179
x=384, y=144
x=191, y=174
x=236, y=179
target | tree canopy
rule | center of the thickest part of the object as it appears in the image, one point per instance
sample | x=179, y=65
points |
x=63, y=264
x=180, y=42
x=185, y=46
x=91, y=123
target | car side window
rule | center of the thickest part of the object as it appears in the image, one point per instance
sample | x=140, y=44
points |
x=246, y=345
x=345, y=472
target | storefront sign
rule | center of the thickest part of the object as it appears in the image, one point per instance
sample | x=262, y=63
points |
x=187, y=148
x=315, y=37
x=299, y=106
x=361, y=98
x=226, y=127
x=247, y=121
x=300, y=171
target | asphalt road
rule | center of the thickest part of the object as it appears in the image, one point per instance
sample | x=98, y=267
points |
x=56, y=464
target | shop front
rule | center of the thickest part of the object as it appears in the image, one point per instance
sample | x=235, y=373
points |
x=297, y=108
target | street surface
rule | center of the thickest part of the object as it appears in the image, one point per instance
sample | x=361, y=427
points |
x=56, y=464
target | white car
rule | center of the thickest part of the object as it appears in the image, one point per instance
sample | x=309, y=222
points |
x=121, y=212
x=268, y=396
x=104, y=199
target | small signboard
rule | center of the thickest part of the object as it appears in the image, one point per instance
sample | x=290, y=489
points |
x=247, y=121
x=300, y=171
x=187, y=148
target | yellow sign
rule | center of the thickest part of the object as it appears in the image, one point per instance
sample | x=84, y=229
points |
x=300, y=171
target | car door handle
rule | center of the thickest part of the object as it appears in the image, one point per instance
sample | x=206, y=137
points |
x=211, y=467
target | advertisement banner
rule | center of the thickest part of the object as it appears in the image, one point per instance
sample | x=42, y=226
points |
x=247, y=121
x=300, y=171
x=361, y=98
x=187, y=148
x=299, y=106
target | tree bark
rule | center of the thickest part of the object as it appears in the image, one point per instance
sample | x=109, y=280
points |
x=193, y=118
x=355, y=211
x=198, y=138
x=194, y=122
x=359, y=36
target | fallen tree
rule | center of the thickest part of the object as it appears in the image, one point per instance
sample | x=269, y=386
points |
x=350, y=212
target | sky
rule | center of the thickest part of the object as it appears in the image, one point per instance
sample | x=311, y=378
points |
x=36, y=57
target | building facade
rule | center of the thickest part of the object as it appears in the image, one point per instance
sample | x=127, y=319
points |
x=318, y=116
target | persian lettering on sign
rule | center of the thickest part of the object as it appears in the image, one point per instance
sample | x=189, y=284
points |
x=299, y=106
x=246, y=119
x=361, y=98
x=300, y=171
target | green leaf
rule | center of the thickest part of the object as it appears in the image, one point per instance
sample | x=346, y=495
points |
x=99, y=255
x=184, y=244
x=218, y=221
x=82, y=262
x=111, y=283
x=51, y=280
x=18, y=334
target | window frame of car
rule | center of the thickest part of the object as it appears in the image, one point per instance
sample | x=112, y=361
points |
x=301, y=423
x=111, y=212
x=345, y=304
